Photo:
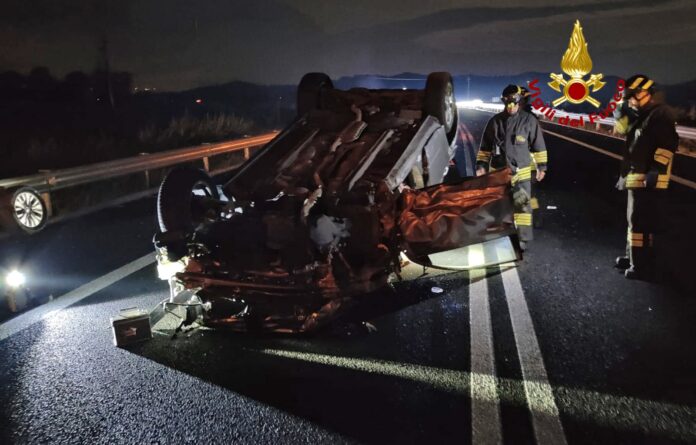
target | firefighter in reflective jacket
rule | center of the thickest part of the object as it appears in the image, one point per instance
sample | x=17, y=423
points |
x=513, y=138
x=651, y=140
x=534, y=202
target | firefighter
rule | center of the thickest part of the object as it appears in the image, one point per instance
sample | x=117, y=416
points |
x=513, y=138
x=534, y=202
x=651, y=140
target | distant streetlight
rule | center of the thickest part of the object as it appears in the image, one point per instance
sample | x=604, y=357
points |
x=199, y=101
x=15, y=279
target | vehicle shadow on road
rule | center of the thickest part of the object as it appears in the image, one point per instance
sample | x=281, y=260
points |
x=347, y=381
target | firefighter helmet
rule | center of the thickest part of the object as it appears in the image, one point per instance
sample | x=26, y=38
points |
x=511, y=94
x=638, y=83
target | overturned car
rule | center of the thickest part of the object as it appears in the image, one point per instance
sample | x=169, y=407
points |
x=327, y=211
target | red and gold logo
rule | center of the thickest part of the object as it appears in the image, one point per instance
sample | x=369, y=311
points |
x=576, y=63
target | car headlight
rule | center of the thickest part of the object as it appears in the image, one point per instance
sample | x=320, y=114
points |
x=15, y=279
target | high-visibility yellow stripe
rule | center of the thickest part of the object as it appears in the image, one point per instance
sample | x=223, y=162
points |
x=521, y=223
x=483, y=156
x=662, y=181
x=662, y=159
x=647, y=85
x=534, y=203
x=541, y=157
x=636, y=83
x=522, y=219
x=640, y=239
x=523, y=174
x=635, y=177
x=635, y=180
x=641, y=243
x=663, y=156
x=635, y=184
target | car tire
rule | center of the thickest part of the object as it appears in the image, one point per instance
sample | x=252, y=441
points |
x=440, y=102
x=177, y=195
x=29, y=210
x=310, y=91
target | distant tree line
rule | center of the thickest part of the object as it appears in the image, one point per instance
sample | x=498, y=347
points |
x=39, y=85
x=50, y=123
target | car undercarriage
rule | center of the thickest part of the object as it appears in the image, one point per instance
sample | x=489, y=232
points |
x=327, y=211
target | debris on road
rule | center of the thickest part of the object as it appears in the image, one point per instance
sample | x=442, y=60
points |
x=130, y=326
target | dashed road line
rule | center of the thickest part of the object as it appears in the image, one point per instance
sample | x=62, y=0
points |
x=44, y=311
x=540, y=398
x=486, y=426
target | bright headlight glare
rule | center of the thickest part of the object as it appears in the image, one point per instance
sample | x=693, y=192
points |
x=15, y=279
x=167, y=269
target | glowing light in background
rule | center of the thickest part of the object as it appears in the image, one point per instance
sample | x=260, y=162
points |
x=469, y=103
x=15, y=279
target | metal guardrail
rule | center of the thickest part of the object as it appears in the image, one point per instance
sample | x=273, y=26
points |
x=57, y=179
x=40, y=186
x=683, y=132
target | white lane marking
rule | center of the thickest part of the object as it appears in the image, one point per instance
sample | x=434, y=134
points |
x=584, y=144
x=540, y=398
x=486, y=426
x=46, y=310
x=590, y=407
x=675, y=178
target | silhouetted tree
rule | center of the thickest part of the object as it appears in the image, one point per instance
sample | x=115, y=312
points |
x=76, y=87
x=121, y=86
x=41, y=84
x=11, y=85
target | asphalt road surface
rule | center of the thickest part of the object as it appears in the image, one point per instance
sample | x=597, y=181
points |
x=560, y=349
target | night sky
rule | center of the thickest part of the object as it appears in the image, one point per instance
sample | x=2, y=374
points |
x=179, y=44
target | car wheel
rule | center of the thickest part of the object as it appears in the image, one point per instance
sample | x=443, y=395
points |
x=182, y=197
x=310, y=91
x=29, y=210
x=441, y=103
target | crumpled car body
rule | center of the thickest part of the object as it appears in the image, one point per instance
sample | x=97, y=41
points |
x=324, y=213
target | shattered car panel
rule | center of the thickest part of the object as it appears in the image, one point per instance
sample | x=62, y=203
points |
x=324, y=211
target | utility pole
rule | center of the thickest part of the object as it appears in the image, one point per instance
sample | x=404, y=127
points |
x=104, y=52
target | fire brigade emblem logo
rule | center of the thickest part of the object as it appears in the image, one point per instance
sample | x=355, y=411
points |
x=576, y=63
